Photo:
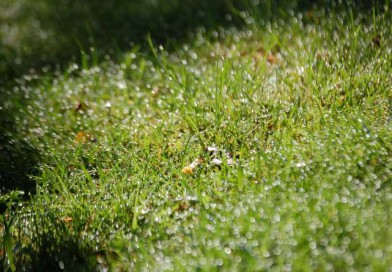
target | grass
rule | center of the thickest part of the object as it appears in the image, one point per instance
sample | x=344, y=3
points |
x=288, y=120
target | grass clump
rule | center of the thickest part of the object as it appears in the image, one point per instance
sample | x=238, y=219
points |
x=287, y=123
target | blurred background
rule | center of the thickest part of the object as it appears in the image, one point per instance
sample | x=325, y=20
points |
x=36, y=34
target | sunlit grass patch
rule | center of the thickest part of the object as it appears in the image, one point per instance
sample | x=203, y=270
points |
x=263, y=148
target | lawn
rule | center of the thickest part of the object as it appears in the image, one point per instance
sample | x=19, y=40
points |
x=257, y=140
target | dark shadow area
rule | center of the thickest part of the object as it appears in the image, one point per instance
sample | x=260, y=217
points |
x=59, y=249
x=71, y=255
x=18, y=158
x=53, y=33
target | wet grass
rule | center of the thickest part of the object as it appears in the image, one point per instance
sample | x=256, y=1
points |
x=266, y=147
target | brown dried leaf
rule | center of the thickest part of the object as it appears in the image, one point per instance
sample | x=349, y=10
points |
x=191, y=167
x=271, y=59
x=66, y=219
x=183, y=206
x=187, y=170
x=83, y=137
